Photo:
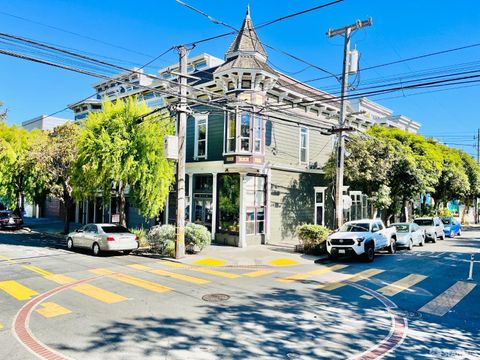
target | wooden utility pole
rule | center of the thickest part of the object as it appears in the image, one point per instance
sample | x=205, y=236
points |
x=181, y=129
x=346, y=32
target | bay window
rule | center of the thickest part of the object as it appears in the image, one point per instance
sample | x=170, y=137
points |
x=231, y=131
x=245, y=125
x=244, y=132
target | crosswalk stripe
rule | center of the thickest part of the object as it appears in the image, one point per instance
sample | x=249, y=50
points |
x=1, y=326
x=98, y=294
x=132, y=280
x=216, y=273
x=37, y=270
x=173, y=264
x=51, y=309
x=401, y=285
x=17, y=290
x=187, y=278
x=60, y=279
x=258, y=273
x=303, y=276
x=352, y=278
x=448, y=299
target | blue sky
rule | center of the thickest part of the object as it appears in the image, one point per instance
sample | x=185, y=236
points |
x=401, y=29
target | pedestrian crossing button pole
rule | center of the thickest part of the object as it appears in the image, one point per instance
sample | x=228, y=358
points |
x=470, y=273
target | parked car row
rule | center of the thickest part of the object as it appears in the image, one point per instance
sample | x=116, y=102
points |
x=10, y=220
x=365, y=237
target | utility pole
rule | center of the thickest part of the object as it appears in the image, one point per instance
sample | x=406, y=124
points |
x=346, y=32
x=181, y=129
x=478, y=146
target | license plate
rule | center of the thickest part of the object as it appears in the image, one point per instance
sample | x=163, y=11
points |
x=341, y=251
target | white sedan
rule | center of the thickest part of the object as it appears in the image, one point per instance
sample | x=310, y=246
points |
x=103, y=237
x=409, y=235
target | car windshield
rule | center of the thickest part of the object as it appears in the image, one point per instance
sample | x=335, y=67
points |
x=401, y=228
x=424, y=222
x=114, y=229
x=358, y=227
x=446, y=221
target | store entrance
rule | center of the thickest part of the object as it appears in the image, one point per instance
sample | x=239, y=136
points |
x=202, y=206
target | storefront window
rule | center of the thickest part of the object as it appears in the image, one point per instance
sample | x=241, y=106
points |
x=229, y=203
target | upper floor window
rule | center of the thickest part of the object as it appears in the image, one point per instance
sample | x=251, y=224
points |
x=303, y=145
x=201, y=126
x=245, y=131
x=230, y=138
x=257, y=134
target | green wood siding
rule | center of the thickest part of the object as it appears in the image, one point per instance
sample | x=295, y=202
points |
x=215, y=135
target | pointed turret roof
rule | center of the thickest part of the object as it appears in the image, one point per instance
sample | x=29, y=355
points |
x=246, y=41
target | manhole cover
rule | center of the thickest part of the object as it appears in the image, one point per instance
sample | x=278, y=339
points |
x=215, y=297
x=408, y=314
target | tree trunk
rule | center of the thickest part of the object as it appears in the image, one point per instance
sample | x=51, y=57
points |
x=121, y=203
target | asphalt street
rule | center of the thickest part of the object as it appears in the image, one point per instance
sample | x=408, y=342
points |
x=58, y=304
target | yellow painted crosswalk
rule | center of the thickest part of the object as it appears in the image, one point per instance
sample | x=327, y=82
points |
x=259, y=273
x=401, y=285
x=307, y=275
x=51, y=309
x=362, y=275
x=217, y=273
x=132, y=280
x=17, y=290
x=444, y=302
x=173, y=275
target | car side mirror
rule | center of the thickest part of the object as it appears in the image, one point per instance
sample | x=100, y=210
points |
x=79, y=230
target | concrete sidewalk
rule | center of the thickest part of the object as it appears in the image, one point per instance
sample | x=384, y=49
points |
x=256, y=255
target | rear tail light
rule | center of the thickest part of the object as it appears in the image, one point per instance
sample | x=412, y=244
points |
x=110, y=238
x=137, y=238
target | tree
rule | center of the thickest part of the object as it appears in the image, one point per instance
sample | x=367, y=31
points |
x=60, y=157
x=118, y=152
x=21, y=173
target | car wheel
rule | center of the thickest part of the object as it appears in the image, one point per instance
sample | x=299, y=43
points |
x=459, y=232
x=410, y=244
x=442, y=237
x=392, y=248
x=96, y=249
x=369, y=254
x=422, y=242
x=70, y=244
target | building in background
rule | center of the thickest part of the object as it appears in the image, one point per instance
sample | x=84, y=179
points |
x=44, y=122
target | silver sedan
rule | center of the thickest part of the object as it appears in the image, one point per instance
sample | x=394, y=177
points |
x=409, y=235
x=103, y=237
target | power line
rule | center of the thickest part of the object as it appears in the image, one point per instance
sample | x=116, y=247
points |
x=76, y=34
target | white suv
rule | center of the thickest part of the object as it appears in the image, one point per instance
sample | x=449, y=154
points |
x=362, y=238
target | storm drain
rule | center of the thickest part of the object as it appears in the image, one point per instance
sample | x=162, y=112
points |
x=216, y=298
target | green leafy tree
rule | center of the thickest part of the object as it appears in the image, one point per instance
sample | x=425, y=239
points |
x=22, y=175
x=59, y=159
x=117, y=151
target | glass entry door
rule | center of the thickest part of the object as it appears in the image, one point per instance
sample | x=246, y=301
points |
x=202, y=205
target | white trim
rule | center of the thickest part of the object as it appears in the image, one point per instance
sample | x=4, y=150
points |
x=214, y=205
x=307, y=143
x=319, y=190
x=198, y=118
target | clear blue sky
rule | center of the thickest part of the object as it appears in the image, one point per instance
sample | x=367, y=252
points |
x=401, y=29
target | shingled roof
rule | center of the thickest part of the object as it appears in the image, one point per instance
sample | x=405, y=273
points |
x=246, y=41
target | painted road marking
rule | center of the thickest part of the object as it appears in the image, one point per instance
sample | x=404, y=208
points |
x=448, y=299
x=352, y=278
x=401, y=285
x=210, y=262
x=17, y=290
x=1, y=326
x=98, y=294
x=86, y=289
x=366, y=297
x=190, y=279
x=216, y=273
x=258, y=273
x=51, y=309
x=132, y=280
x=173, y=264
x=303, y=276
x=283, y=262
x=37, y=270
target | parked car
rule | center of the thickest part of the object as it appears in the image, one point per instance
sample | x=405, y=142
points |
x=362, y=238
x=10, y=220
x=103, y=237
x=451, y=227
x=432, y=226
x=409, y=235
